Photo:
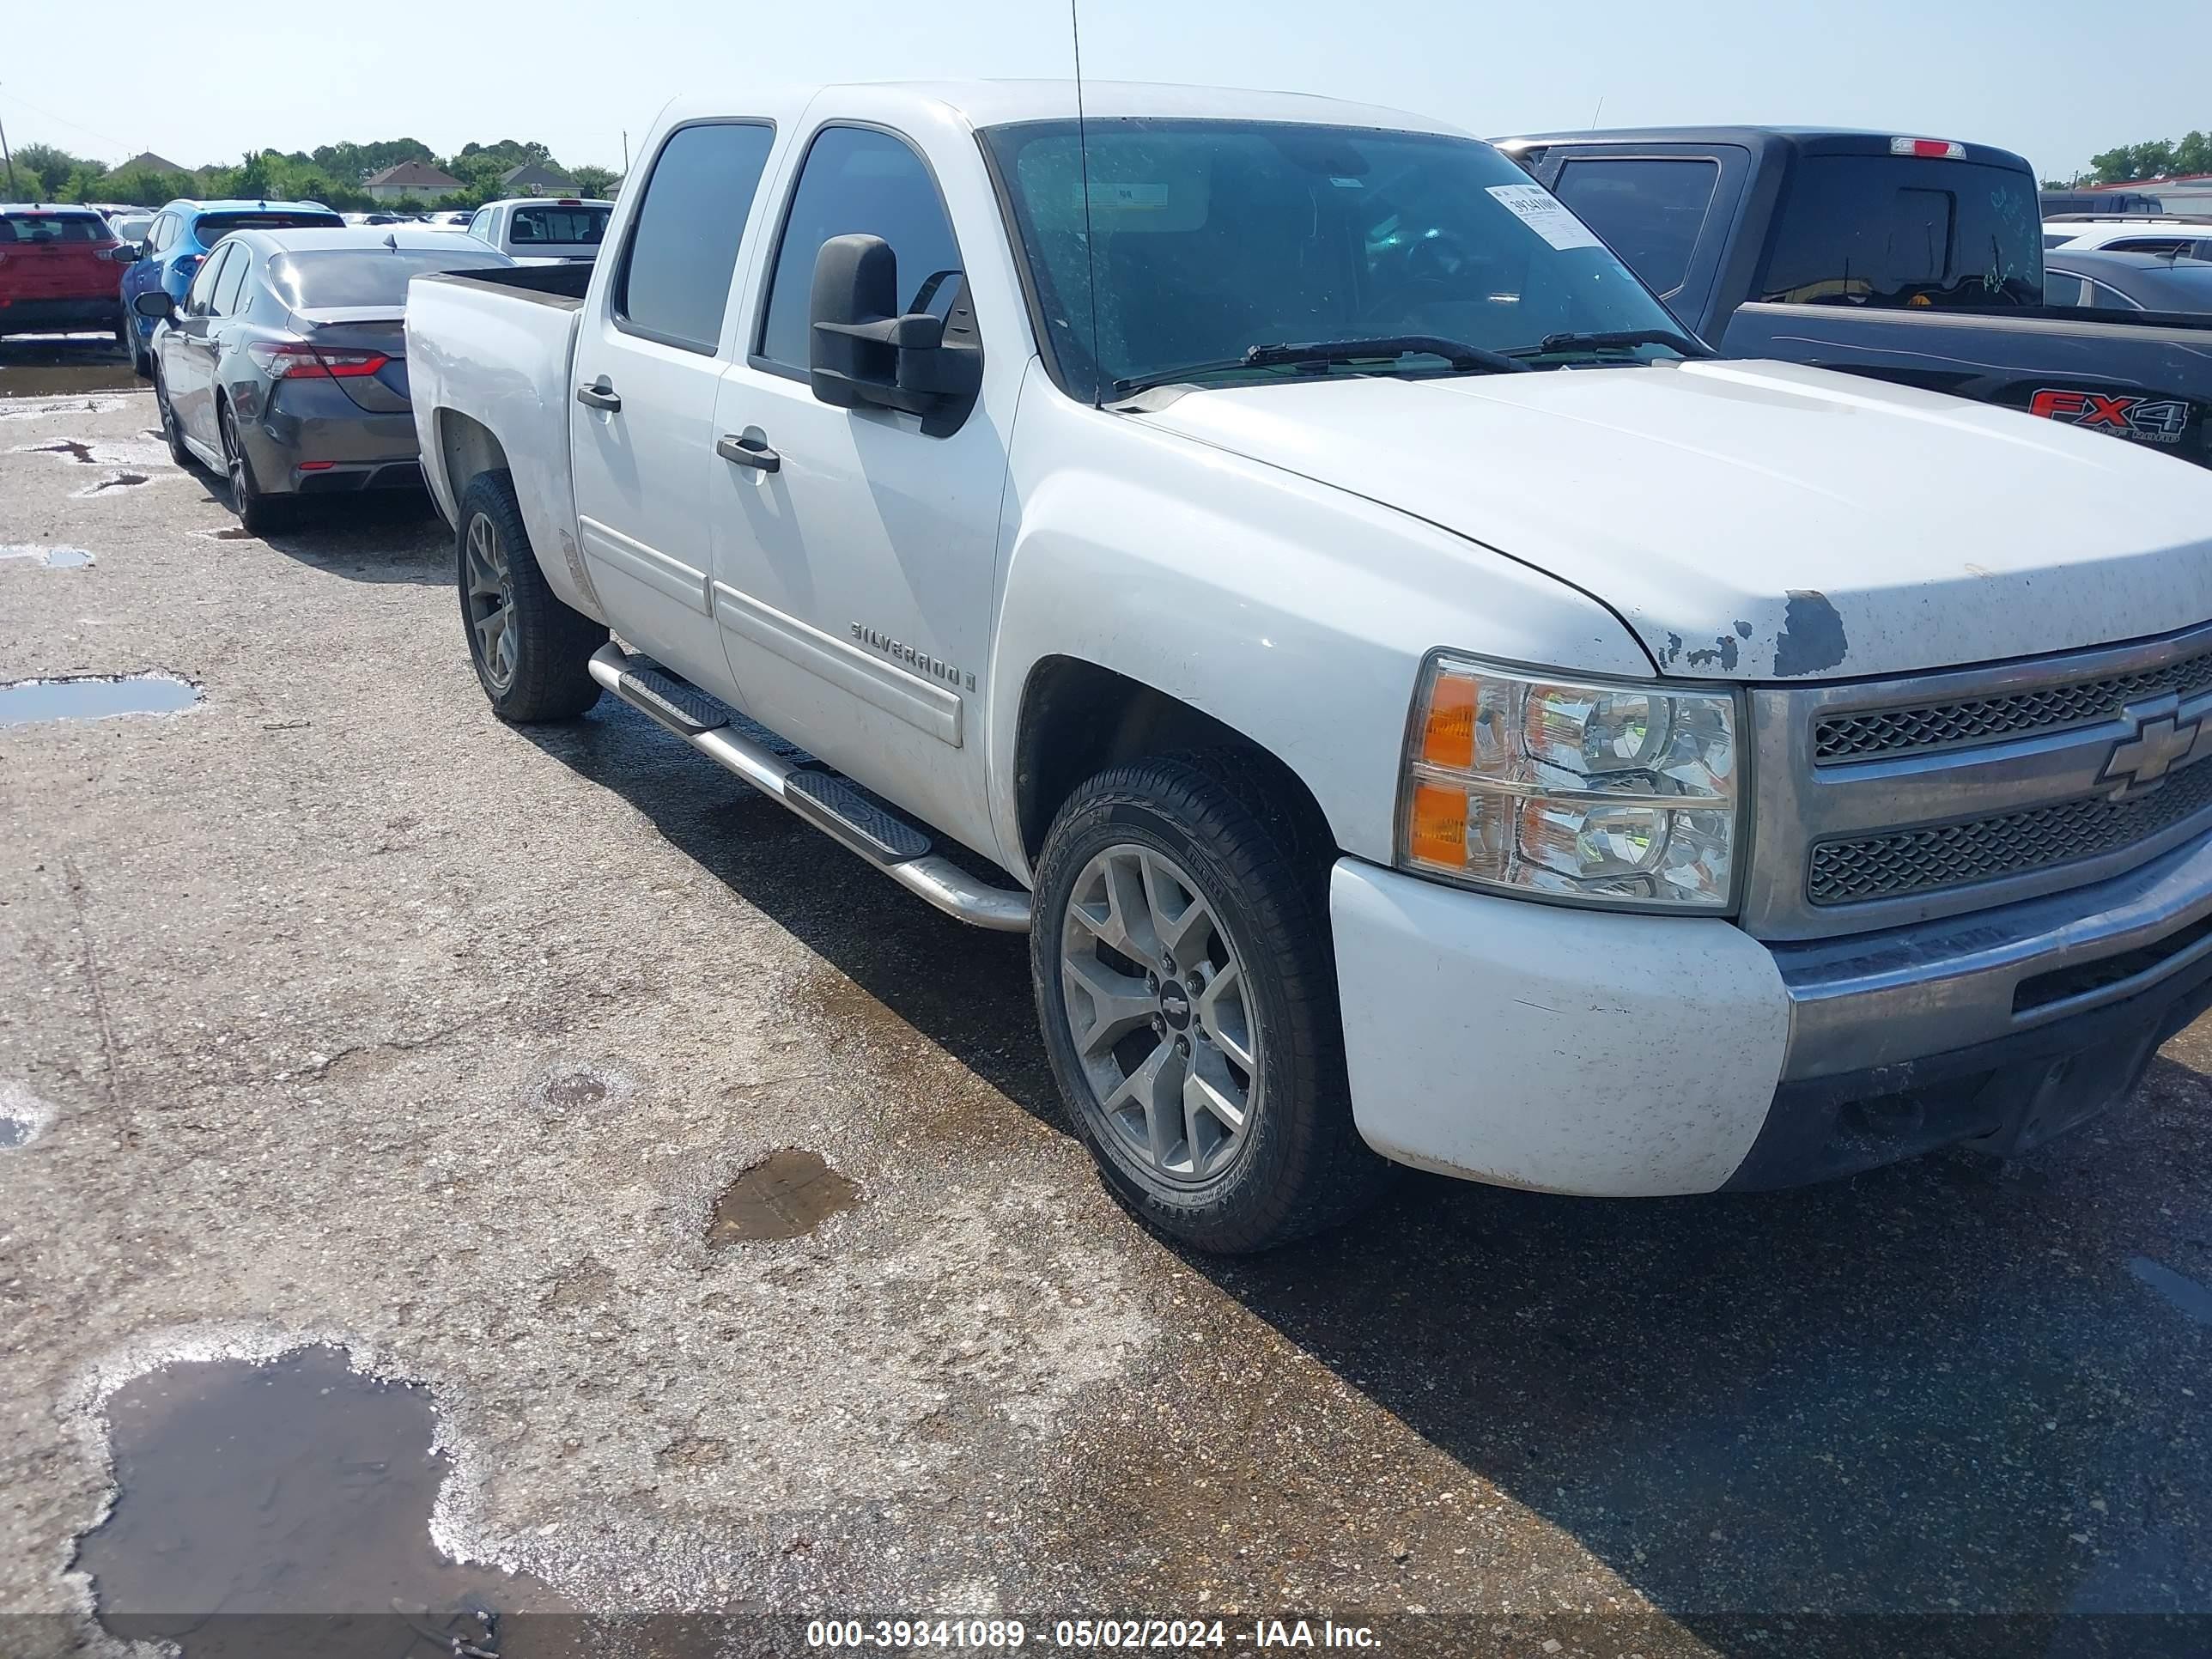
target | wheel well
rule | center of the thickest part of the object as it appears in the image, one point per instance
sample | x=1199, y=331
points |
x=1079, y=719
x=467, y=446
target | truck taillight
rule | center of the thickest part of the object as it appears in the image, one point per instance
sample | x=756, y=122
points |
x=300, y=361
x=1938, y=149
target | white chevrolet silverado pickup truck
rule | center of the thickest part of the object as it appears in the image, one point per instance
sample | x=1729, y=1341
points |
x=1421, y=707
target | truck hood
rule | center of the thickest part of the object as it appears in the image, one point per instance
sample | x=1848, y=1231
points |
x=1756, y=520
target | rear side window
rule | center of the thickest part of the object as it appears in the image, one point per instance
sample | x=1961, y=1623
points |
x=331, y=277
x=1883, y=230
x=559, y=224
x=51, y=229
x=201, y=294
x=212, y=225
x=1650, y=212
x=233, y=280
x=2063, y=288
x=674, y=283
x=855, y=180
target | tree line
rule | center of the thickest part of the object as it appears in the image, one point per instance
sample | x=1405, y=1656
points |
x=331, y=174
x=2156, y=158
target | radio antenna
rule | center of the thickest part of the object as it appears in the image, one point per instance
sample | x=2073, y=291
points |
x=1090, y=242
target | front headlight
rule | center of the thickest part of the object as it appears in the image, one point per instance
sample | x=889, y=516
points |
x=1612, y=794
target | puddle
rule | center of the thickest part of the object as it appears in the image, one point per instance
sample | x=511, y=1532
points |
x=93, y=697
x=79, y=452
x=54, y=557
x=2184, y=1292
x=787, y=1194
x=24, y=1116
x=44, y=379
x=284, y=1509
x=114, y=481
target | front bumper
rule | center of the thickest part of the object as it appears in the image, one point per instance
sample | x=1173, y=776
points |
x=1580, y=1051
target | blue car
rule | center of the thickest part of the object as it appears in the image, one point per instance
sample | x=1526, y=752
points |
x=180, y=238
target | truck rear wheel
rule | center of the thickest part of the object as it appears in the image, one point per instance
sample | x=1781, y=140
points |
x=531, y=652
x=1187, y=987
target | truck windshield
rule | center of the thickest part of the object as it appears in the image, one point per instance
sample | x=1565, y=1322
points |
x=1209, y=238
x=1881, y=230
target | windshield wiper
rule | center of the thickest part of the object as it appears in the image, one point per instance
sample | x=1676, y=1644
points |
x=1321, y=353
x=1614, y=339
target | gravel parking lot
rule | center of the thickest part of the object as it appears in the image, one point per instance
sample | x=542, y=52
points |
x=334, y=1015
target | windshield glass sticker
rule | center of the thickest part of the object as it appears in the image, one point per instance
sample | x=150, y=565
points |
x=1542, y=212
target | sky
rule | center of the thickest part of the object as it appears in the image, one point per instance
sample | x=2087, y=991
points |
x=2055, y=80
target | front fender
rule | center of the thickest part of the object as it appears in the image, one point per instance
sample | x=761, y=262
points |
x=1297, y=613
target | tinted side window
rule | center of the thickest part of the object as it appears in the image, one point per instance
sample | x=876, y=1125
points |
x=2061, y=287
x=2164, y=247
x=674, y=283
x=1649, y=212
x=202, y=292
x=854, y=179
x=228, y=284
x=480, y=226
x=2107, y=298
x=158, y=238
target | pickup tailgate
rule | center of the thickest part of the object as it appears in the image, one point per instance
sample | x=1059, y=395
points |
x=488, y=357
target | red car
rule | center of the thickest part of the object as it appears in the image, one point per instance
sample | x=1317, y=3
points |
x=57, y=271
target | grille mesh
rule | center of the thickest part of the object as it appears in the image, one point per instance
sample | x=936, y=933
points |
x=2015, y=844
x=1981, y=719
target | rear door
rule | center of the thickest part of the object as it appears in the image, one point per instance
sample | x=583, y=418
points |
x=650, y=352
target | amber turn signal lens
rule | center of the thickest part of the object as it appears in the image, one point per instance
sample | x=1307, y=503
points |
x=1436, y=833
x=1448, y=737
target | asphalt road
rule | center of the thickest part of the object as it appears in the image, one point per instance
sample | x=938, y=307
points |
x=333, y=1011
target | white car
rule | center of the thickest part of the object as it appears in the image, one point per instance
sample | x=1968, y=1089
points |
x=2190, y=239
x=1419, y=706
x=540, y=230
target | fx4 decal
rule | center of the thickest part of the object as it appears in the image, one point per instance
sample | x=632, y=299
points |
x=2160, y=422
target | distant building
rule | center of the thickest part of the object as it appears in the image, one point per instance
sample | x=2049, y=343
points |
x=146, y=161
x=417, y=178
x=532, y=179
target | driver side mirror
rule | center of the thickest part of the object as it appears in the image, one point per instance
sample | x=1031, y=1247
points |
x=862, y=352
x=126, y=253
x=155, y=304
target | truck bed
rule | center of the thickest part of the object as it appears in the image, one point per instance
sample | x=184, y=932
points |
x=490, y=352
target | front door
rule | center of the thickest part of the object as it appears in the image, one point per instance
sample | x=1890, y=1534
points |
x=650, y=354
x=853, y=582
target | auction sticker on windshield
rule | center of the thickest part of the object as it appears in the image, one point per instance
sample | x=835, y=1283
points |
x=1542, y=212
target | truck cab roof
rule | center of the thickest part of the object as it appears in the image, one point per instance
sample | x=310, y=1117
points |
x=985, y=103
x=1768, y=142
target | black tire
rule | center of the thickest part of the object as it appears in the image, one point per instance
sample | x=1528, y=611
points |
x=549, y=679
x=1262, y=868
x=172, y=435
x=257, y=515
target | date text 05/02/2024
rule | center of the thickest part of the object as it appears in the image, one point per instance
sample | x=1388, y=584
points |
x=1008, y=1635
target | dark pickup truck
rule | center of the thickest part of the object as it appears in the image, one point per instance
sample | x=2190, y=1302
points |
x=1917, y=260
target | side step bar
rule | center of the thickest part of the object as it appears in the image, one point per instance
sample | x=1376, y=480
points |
x=782, y=772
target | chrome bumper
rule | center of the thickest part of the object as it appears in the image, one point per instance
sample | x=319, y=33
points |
x=1879, y=999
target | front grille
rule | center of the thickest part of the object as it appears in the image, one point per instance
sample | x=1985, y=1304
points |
x=1842, y=738
x=1911, y=862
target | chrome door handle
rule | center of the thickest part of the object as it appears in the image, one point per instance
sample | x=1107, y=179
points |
x=598, y=395
x=748, y=451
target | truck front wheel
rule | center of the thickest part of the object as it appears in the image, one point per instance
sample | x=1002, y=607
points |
x=531, y=652
x=1187, y=988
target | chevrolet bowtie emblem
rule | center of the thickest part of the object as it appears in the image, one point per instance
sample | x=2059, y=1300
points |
x=2159, y=745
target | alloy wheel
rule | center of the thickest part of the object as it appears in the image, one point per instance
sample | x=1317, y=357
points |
x=1158, y=1009
x=491, y=602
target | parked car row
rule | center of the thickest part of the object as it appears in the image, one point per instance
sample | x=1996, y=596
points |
x=1320, y=580
x=283, y=366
